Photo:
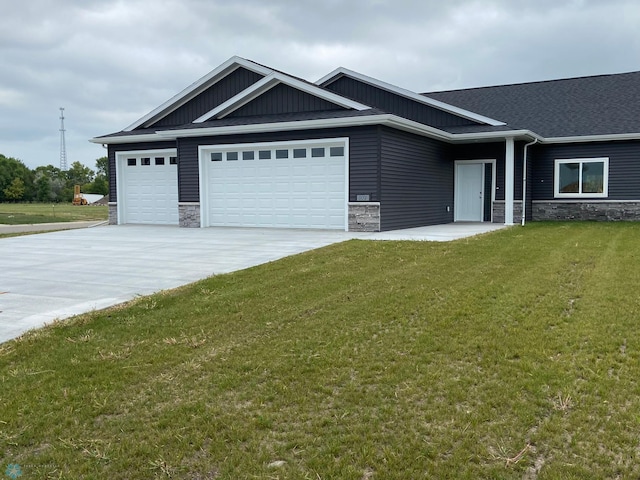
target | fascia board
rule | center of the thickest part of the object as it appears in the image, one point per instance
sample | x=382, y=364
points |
x=269, y=82
x=387, y=119
x=410, y=95
x=148, y=137
x=209, y=79
x=275, y=126
x=593, y=138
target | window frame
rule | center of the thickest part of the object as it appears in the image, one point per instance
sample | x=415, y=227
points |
x=581, y=162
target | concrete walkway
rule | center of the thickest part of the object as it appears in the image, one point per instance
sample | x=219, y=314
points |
x=60, y=274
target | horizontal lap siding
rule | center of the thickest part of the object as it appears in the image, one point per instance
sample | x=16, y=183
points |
x=284, y=99
x=206, y=101
x=416, y=181
x=397, y=104
x=363, y=156
x=113, y=194
x=624, y=167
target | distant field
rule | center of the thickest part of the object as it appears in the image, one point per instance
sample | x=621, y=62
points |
x=27, y=213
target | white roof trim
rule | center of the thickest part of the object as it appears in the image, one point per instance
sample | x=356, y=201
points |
x=390, y=120
x=411, y=95
x=594, y=138
x=199, y=85
x=387, y=119
x=270, y=81
x=147, y=137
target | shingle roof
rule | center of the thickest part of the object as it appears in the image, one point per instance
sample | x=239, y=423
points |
x=599, y=105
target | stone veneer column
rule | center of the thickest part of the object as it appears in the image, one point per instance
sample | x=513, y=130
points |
x=113, y=213
x=364, y=217
x=189, y=214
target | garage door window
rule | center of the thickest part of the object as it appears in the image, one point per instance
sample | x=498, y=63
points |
x=299, y=153
x=247, y=155
x=282, y=153
x=336, y=151
x=264, y=154
x=159, y=160
x=173, y=160
x=146, y=161
x=131, y=162
x=216, y=157
x=232, y=156
x=317, y=152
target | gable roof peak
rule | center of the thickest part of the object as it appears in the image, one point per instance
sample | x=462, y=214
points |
x=197, y=87
x=342, y=72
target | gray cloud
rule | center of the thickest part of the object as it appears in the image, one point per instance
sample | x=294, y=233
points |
x=108, y=62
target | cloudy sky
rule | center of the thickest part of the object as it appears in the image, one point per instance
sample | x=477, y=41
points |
x=109, y=62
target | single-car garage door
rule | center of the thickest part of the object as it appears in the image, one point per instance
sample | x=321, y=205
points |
x=148, y=187
x=285, y=185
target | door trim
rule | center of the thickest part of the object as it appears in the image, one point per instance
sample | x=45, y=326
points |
x=493, y=184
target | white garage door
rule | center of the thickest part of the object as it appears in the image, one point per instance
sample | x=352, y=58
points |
x=148, y=188
x=286, y=185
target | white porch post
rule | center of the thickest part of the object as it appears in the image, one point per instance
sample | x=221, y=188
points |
x=509, y=162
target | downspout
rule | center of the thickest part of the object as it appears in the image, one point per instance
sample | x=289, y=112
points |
x=524, y=180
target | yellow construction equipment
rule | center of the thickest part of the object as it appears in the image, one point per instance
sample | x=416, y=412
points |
x=78, y=199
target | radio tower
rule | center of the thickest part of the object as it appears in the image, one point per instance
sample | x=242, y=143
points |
x=63, y=146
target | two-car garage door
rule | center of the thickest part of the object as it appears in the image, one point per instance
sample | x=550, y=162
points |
x=285, y=185
x=282, y=185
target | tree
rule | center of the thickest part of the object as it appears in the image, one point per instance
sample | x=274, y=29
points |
x=15, y=191
x=100, y=183
x=78, y=174
x=10, y=169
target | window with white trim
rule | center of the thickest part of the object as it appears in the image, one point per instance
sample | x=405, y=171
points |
x=581, y=177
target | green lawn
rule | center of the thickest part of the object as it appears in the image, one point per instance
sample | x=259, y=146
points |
x=27, y=213
x=511, y=355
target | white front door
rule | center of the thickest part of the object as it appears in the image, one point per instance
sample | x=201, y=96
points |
x=469, y=193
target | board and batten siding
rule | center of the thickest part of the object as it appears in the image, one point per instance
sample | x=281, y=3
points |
x=206, y=101
x=416, y=181
x=284, y=99
x=142, y=146
x=363, y=157
x=394, y=103
x=624, y=167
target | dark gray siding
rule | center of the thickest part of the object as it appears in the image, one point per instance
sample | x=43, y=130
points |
x=624, y=166
x=392, y=103
x=222, y=91
x=417, y=181
x=284, y=99
x=363, y=157
x=111, y=154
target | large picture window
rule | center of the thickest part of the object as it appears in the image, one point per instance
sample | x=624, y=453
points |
x=582, y=177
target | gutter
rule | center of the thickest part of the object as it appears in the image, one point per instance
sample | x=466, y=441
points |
x=524, y=180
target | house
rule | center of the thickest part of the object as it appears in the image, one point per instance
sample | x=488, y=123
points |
x=247, y=145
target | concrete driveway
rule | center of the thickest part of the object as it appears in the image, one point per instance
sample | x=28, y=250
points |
x=60, y=274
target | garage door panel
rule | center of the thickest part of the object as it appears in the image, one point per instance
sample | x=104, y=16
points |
x=277, y=192
x=149, y=193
